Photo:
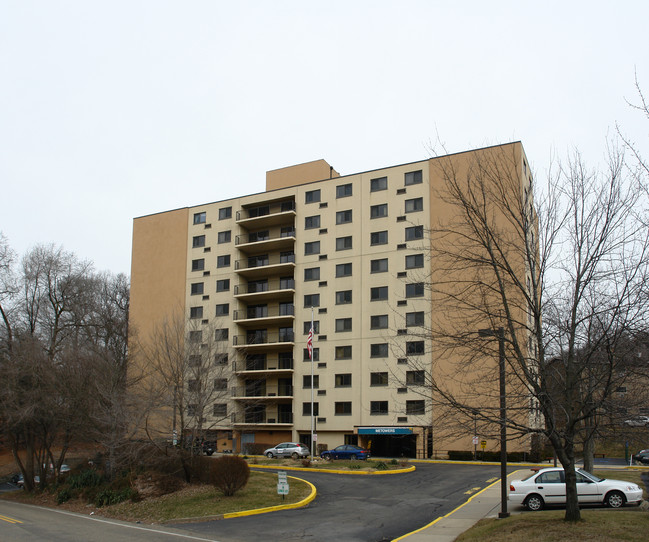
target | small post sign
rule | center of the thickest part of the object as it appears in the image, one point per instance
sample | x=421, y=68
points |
x=282, y=483
x=483, y=444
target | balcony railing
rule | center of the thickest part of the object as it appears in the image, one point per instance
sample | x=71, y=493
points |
x=252, y=313
x=262, y=418
x=263, y=237
x=264, y=260
x=262, y=390
x=265, y=286
x=263, y=337
x=266, y=210
x=273, y=364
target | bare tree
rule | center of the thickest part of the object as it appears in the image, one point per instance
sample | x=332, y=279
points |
x=552, y=294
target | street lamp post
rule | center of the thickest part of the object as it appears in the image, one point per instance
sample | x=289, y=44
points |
x=500, y=334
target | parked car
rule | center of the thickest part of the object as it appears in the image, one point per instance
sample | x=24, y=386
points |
x=346, y=451
x=642, y=457
x=288, y=449
x=21, y=481
x=638, y=421
x=547, y=487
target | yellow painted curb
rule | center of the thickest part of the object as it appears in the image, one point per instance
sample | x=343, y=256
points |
x=334, y=471
x=299, y=504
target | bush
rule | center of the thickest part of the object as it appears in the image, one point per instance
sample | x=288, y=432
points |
x=114, y=496
x=85, y=479
x=255, y=448
x=64, y=495
x=229, y=474
x=306, y=463
x=382, y=466
x=354, y=466
x=394, y=462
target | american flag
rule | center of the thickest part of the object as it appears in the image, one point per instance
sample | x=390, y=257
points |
x=309, y=342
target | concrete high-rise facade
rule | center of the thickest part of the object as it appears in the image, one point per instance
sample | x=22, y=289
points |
x=348, y=252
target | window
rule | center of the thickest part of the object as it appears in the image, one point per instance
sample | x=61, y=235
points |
x=221, y=334
x=311, y=222
x=343, y=270
x=223, y=285
x=343, y=324
x=414, y=319
x=415, y=407
x=415, y=378
x=221, y=359
x=316, y=354
x=196, y=312
x=413, y=177
x=197, y=288
x=306, y=382
x=198, y=265
x=343, y=352
x=379, y=266
x=195, y=336
x=415, y=289
x=312, y=273
x=256, y=236
x=379, y=350
x=223, y=309
x=311, y=300
x=379, y=211
x=198, y=241
x=220, y=384
x=343, y=380
x=286, y=334
x=379, y=379
x=344, y=217
x=379, y=321
x=414, y=261
x=224, y=236
x=220, y=410
x=306, y=409
x=343, y=297
x=195, y=360
x=199, y=218
x=286, y=283
x=287, y=231
x=312, y=248
x=378, y=238
x=312, y=196
x=344, y=190
x=344, y=243
x=316, y=327
x=287, y=257
x=379, y=184
x=191, y=410
x=380, y=293
x=414, y=232
x=225, y=213
x=415, y=348
x=378, y=407
x=343, y=408
x=223, y=261
x=414, y=205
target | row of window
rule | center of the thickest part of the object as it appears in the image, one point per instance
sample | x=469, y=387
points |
x=380, y=265
x=377, y=350
x=379, y=321
x=377, y=379
x=379, y=293
x=224, y=214
x=344, y=408
x=376, y=211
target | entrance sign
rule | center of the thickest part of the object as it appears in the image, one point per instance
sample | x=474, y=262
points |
x=385, y=431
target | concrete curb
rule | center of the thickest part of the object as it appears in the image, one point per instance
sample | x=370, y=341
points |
x=335, y=471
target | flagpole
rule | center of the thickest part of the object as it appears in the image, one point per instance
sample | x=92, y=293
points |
x=311, y=356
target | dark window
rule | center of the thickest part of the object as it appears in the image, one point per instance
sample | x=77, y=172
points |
x=344, y=217
x=413, y=177
x=312, y=196
x=344, y=190
x=220, y=410
x=414, y=319
x=311, y=222
x=415, y=378
x=415, y=348
x=378, y=407
x=287, y=231
x=312, y=248
x=195, y=360
x=316, y=354
x=343, y=352
x=197, y=288
x=223, y=285
x=415, y=407
x=343, y=408
x=196, y=312
x=287, y=257
x=379, y=266
x=343, y=297
x=223, y=261
x=225, y=212
x=379, y=321
x=379, y=350
x=343, y=324
x=415, y=289
x=199, y=218
x=379, y=211
x=312, y=300
x=221, y=359
x=194, y=385
x=221, y=334
x=198, y=265
x=380, y=293
x=312, y=273
x=198, y=241
x=379, y=379
x=379, y=184
x=220, y=384
x=414, y=261
x=306, y=409
x=343, y=380
x=195, y=336
x=256, y=236
x=344, y=243
x=316, y=327
x=379, y=238
x=415, y=204
x=343, y=270
x=306, y=382
x=224, y=236
x=414, y=232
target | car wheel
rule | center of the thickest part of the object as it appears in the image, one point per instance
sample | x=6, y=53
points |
x=295, y=455
x=534, y=502
x=353, y=457
x=614, y=499
x=327, y=457
x=269, y=455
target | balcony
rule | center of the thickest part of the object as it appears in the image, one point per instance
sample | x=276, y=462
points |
x=262, y=391
x=257, y=418
x=257, y=291
x=280, y=315
x=269, y=214
x=262, y=339
x=264, y=265
x=266, y=240
x=263, y=366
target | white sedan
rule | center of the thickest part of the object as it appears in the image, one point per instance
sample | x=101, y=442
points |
x=547, y=486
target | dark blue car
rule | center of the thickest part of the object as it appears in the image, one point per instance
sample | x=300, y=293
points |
x=346, y=451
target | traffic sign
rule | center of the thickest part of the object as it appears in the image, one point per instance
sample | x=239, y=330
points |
x=282, y=488
x=483, y=444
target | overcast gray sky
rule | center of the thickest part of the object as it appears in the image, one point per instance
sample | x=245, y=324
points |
x=115, y=109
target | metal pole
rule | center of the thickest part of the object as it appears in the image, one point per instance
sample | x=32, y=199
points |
x=503, y=425
x=312, y=418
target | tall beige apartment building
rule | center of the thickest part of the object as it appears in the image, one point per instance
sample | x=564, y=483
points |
x=350, y=250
